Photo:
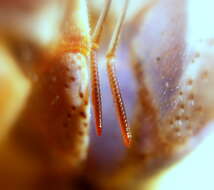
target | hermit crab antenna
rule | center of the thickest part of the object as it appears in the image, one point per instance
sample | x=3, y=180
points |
x=99, y=26
x=115, y=89
x=116, y=35
x=95, y=84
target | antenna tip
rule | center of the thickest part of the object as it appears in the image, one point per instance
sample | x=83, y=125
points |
x=99, y=130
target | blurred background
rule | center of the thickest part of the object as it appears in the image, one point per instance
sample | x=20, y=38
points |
x=31, y=32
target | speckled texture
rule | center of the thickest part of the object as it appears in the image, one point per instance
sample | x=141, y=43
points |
x=173, y=69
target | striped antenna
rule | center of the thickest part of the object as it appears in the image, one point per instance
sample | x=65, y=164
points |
x=95, y=84
x=115, y=88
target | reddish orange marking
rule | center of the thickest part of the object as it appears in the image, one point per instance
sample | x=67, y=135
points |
x=76, y=44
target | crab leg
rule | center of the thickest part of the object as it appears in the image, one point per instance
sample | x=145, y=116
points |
x=57, y=111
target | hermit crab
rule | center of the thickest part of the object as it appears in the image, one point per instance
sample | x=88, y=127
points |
x=51, y=52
